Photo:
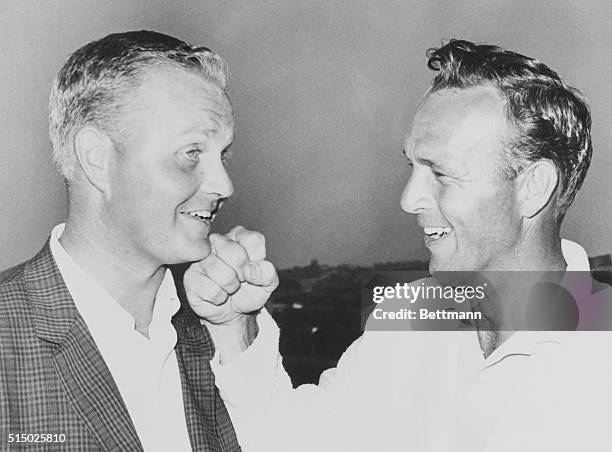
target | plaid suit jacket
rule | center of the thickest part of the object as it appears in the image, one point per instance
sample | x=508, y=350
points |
x=53, y=378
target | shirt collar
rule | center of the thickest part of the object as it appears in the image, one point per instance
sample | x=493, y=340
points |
x=575, y=256
x=526, y=342
x=97, y=307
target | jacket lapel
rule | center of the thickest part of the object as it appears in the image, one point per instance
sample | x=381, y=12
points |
x=80, y=367
x=194, y=350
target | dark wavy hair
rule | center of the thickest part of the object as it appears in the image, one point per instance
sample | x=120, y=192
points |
x=551, y=120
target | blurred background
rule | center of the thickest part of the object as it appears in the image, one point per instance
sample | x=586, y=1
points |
x=323, y=93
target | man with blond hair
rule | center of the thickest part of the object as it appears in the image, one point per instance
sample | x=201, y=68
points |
x=98, y=351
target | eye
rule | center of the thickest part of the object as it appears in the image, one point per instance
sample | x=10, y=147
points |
x=193, y=153
x=226, y=155
x=442, y=178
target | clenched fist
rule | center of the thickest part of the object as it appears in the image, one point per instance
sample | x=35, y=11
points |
x=233, y=280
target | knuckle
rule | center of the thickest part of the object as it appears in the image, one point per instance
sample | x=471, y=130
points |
x=210, y=266
x=196, y=284
x=267, y=267
x=219, y=296
x=221, y=273
x=241, y=232
x=241, y=254
x=235, y=232
x=240, y=229
x=234, y=253
x=269, y=272
x=256, y=238
x=233, y=246
x=205, y=291
x=226, y=246
x=255, y=243
x=251, y=235
x=227, y=278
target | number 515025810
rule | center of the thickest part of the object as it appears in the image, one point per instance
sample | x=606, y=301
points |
x=36, y=437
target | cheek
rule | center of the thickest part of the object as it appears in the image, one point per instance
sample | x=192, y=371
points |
x=171, y=185
x=477, y=210
x=494, y=216
x=126, y=192
x=183, y=178
x=147, y=199
x=458, y=205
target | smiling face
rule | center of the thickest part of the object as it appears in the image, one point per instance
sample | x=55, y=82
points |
x=462, y=201
x=169, y=179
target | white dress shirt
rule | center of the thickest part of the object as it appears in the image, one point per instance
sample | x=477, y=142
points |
x=429, y=391
x=145, y=370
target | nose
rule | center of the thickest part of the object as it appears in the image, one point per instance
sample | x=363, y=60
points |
x=217, y=180
x=418, y=194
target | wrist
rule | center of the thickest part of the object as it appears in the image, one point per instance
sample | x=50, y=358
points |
x=233, y=337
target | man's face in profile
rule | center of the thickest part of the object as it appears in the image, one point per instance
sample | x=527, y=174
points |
x=462, y=201
x=169, y=178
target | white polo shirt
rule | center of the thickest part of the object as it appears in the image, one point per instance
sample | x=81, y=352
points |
x=429, y=391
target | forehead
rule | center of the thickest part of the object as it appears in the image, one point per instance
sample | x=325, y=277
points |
x=459, y=123
x=186, y=95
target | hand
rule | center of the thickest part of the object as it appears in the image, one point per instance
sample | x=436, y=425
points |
x=233, y=280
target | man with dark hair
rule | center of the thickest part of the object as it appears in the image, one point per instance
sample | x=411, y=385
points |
x=97, y=349
x=548, y=119
x=498, y=148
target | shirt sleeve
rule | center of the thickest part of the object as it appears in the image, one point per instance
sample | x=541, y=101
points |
x=270, y=415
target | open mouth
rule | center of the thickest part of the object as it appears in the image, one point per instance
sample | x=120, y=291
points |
x=204, y=216
x=436, y=232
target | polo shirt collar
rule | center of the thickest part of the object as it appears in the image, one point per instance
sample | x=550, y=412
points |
x=526, y=342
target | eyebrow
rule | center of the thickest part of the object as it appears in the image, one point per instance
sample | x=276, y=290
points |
x=214, y=118
x=197, y=131
x=432, y=163
x=424, y=161
x=206, y=130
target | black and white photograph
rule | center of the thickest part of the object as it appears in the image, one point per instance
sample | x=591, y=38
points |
x=320, y=226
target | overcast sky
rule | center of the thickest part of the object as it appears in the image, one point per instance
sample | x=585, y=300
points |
x=323, y=94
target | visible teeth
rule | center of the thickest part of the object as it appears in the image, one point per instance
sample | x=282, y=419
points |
x=200, y=214
x=437, y=231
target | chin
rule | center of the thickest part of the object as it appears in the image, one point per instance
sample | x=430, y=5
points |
x=446, y=266
x=196, y=257
x=436, y=265
x=193, y=252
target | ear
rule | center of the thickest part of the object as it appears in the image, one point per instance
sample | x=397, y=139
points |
x=537, y=184
x=94, y=151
